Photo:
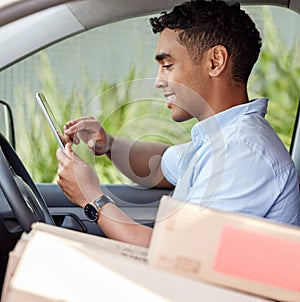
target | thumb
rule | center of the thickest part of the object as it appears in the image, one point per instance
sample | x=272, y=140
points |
x=69, y=150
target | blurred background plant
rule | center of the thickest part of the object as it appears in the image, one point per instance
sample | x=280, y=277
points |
x=124, y=110
x=277, y=77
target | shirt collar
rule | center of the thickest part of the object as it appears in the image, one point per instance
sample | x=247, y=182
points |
x=203, y=130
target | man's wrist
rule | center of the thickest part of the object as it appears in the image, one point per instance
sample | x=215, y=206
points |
x=92, y=209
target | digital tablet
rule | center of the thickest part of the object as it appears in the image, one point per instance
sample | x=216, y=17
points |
x=51, y=119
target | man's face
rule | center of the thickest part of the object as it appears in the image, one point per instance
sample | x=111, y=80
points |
x=182, y=81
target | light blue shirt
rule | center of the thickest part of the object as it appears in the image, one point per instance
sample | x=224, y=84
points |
x=236, y=162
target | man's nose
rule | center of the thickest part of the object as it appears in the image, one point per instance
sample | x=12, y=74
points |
x=160, y=82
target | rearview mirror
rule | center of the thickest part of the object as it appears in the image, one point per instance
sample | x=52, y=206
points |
x=7, y=124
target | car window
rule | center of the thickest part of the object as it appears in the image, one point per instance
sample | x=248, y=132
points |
x=108, y=72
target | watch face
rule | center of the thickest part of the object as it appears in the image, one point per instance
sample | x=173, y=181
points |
x=91, y=212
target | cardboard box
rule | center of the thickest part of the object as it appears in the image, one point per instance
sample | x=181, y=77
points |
x=249, y=254
x=54, y=264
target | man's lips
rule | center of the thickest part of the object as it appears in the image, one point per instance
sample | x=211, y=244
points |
x=170, y=98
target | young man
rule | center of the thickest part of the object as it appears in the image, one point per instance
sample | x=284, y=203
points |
x=234, y=162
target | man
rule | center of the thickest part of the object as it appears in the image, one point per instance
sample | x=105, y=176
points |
x=234, y=162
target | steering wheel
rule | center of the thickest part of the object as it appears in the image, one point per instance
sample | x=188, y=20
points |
x=19, y=189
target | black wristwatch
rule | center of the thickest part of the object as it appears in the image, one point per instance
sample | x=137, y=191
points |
x=92, y=209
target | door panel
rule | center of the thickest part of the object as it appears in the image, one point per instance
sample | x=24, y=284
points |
x=139, y=203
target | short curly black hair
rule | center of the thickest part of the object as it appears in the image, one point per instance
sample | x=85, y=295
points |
x=205, y=24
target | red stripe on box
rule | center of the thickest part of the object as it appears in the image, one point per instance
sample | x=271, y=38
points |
x=259, y=257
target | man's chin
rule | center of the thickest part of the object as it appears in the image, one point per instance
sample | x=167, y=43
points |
x=180, y=118
x=178, y=114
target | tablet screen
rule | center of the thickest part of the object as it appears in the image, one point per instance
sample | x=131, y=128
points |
x=51, y=119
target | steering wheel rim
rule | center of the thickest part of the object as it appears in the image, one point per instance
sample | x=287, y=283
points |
x=19, y=189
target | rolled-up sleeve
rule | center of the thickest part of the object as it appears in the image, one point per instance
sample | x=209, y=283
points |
x=172, y=161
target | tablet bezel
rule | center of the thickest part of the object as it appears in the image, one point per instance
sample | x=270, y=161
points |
x=42, y=101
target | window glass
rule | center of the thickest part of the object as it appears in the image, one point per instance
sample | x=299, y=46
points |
x=276, y=74
x=109, y=73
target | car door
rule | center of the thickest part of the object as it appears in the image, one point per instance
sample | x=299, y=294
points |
x=95, y=63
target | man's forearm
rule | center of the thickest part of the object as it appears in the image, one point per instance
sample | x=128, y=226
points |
x=118, y=226
x=139, y=161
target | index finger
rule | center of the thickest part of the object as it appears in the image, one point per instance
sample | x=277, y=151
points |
x=71, y=123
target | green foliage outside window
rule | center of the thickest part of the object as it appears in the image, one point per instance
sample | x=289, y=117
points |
x=276, y=76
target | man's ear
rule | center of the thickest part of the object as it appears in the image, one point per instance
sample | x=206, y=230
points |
x=218, y=60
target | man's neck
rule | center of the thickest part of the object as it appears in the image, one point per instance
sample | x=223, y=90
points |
x=227, y=96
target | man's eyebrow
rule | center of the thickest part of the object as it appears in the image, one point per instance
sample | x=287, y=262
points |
x=162, y=56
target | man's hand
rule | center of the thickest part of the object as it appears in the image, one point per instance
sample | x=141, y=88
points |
x=81, y=185
x=76, y=178
x=90, y=131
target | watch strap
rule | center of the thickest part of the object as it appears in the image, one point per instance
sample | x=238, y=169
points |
x=102, y=201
